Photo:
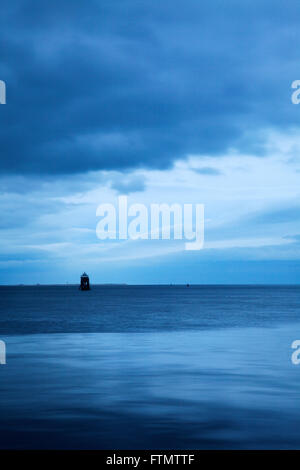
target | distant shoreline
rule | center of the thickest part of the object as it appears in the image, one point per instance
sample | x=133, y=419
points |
x=153, y=285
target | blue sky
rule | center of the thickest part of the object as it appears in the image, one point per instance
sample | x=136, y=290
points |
x=171, y=101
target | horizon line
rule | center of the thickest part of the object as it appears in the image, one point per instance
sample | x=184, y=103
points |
x=125, y=284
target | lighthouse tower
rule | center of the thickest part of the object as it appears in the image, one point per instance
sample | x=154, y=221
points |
x=84, y=282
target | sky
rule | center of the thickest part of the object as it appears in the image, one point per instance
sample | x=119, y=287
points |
x=164, y=102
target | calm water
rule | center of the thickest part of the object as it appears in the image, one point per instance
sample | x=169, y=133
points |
x=150, y=367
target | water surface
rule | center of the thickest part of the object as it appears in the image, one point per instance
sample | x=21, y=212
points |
x=150, y=367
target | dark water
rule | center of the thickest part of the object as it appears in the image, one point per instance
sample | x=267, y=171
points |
x=150, y=367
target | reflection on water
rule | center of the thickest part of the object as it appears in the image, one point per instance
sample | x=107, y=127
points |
x=224, y=388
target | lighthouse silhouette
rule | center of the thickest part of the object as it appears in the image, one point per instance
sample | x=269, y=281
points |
x=84, y=282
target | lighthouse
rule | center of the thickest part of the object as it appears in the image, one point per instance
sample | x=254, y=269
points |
x=84, y=282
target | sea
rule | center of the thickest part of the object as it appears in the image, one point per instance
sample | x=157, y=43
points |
x=150, y=367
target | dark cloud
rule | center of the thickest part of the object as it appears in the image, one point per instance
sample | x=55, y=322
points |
x=128, y=184
x=126, y=84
